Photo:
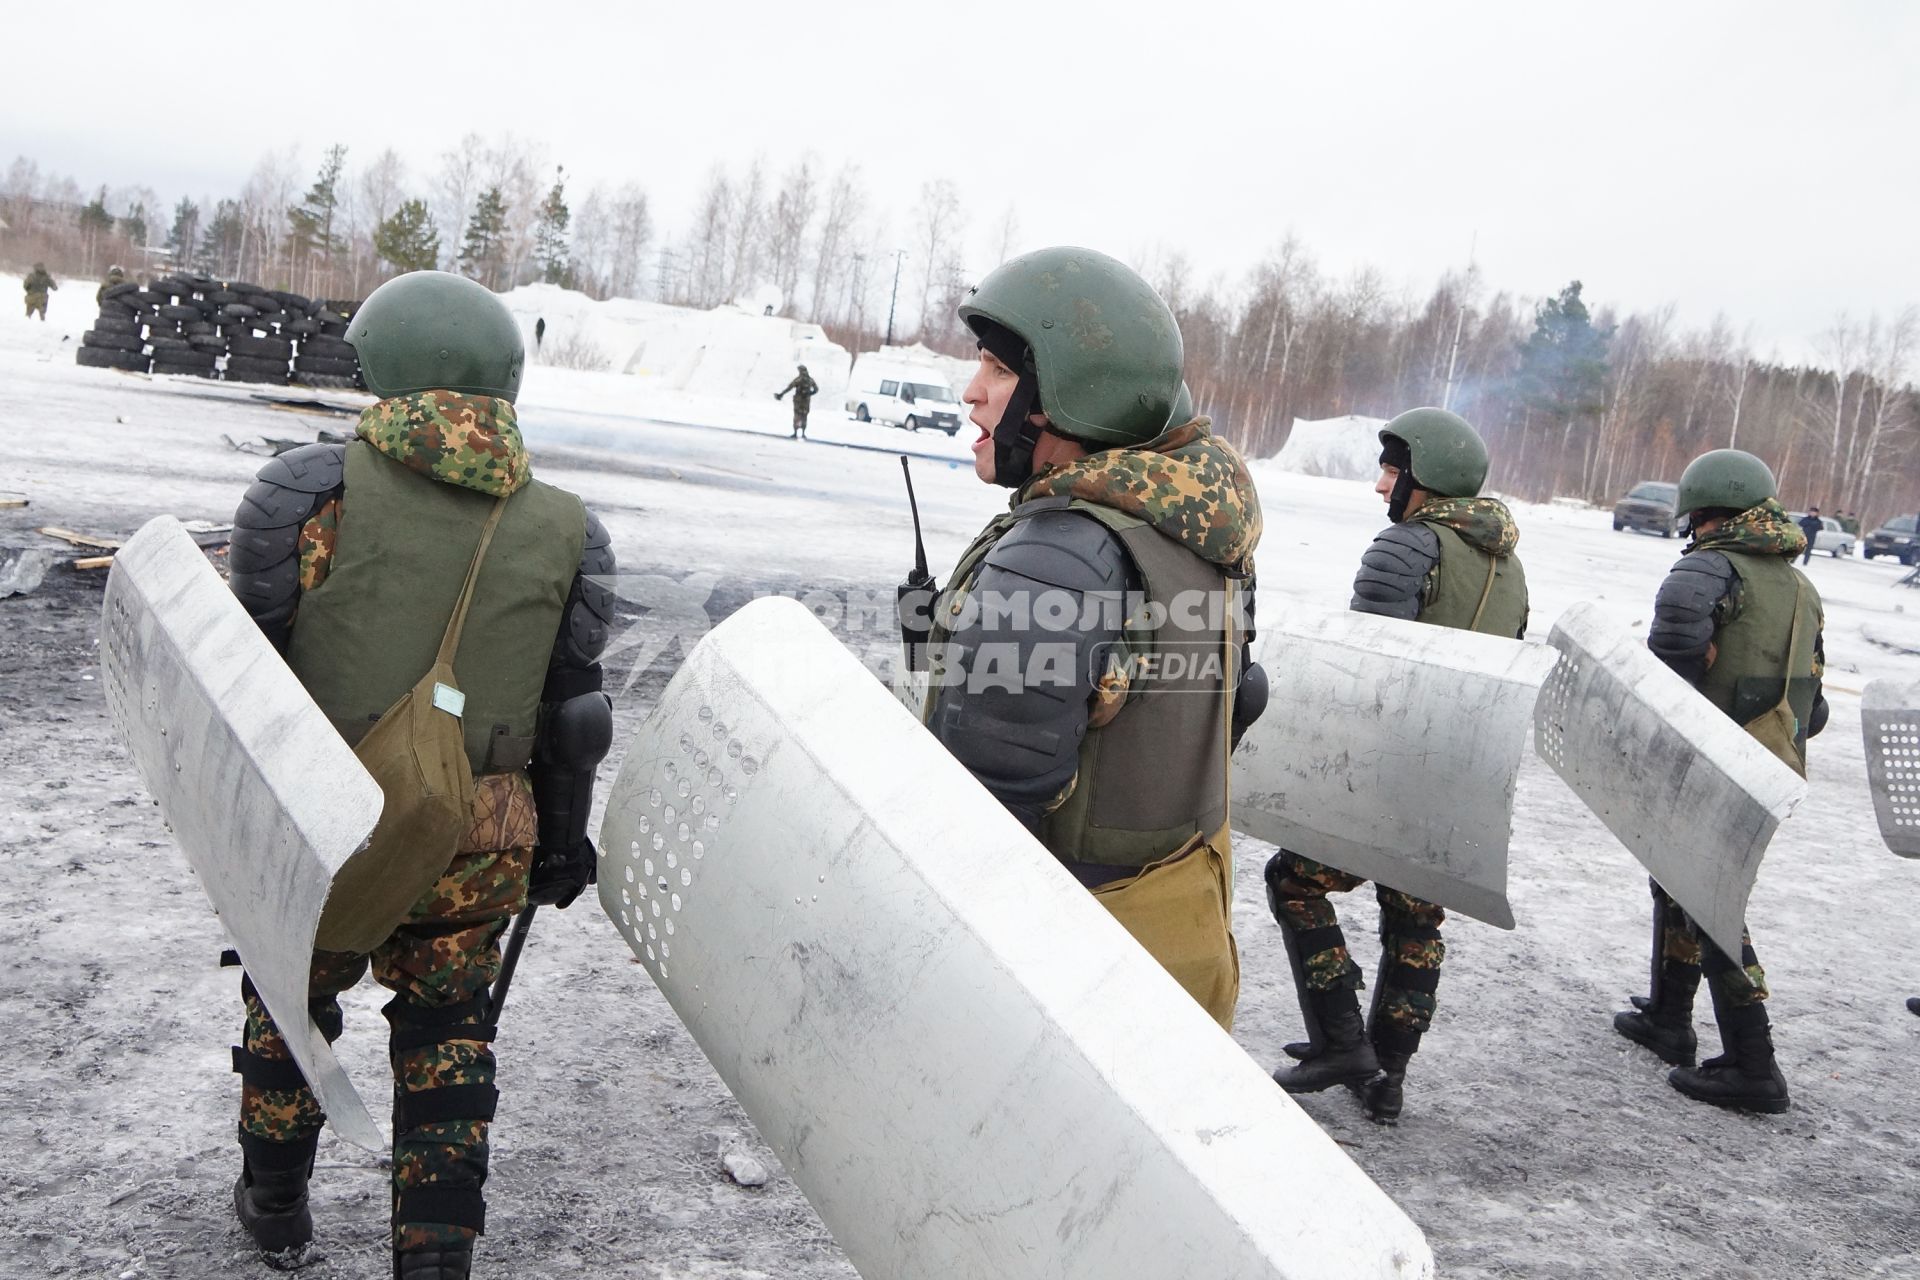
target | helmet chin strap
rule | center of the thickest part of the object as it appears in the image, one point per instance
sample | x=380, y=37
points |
x=1016, y=435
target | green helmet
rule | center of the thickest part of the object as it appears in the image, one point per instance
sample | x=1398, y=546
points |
x=1448, y=456
x=1105, y=347
x=1730, y=478
x=1182, y=408
x=435, y=331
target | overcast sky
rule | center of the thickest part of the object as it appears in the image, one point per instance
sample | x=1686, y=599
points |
x=1755, y=159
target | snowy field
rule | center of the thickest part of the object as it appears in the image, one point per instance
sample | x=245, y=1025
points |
x=1536, y=1142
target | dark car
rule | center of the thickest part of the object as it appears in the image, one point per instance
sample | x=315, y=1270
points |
x=1895, y=538
x=1648, y=505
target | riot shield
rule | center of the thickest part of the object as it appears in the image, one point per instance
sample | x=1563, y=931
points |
x=1687, y=791
x=263, y=797
x=1391, y=752
x=1890, y=726
x=965, y=1063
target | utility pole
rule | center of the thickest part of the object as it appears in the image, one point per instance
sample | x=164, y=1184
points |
x=899, y=256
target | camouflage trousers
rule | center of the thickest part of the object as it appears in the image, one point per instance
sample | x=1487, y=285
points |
x=439, y=963
x=800, y=408
x=1411, y=950
x=37, y=302
x=1682, y=943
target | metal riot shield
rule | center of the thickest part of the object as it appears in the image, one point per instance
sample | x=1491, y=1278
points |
x=1688, y=792
x=1890, y=725
x=966, y=1064
x=263, y=796
x=1391, y=752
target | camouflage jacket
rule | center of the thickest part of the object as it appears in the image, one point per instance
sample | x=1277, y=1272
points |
x=803, y=386
x=1187, y=483
x=472, y=442
x=39, y=282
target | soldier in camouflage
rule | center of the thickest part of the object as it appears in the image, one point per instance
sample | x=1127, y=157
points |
x=359, y=607
x=1446, y=560
x=115, y=276
x=1050, y=684
x=1740, y=623
x=38, y=285
x=803, y=387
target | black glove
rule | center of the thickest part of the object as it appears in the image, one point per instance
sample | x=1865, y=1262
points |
x=561, y=872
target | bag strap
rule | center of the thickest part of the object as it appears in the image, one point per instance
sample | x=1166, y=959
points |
x=1493, y=564
x=450, y=642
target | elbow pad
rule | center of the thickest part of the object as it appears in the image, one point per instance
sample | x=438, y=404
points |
x=1393, y=571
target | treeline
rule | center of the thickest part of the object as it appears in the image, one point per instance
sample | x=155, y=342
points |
x=1575, y=400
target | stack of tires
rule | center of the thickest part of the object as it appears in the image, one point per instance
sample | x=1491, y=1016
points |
x=183, y=330
x=199, y=326
x=324, y=358
x=114, y=342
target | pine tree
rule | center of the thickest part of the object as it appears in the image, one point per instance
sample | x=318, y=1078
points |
x=94, y=219
x=226, y=234
x=1563, y=364
x=311, y=221
x=480, y=252
x=134, y=225
x=185, y=236
x=550, y=237
x=409, y=240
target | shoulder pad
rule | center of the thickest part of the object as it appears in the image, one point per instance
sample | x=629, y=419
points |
x=1393, y=571
x=291, y=487
x=1413, y=541
x=312, y=468
x=1063, y=549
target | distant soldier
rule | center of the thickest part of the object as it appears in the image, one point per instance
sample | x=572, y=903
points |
x=803, y=387
x=1742, y=625
x=1810, y=525
x=1447, y=560
x=38, y=285
x=359, y=607
x=115, y=275
x=539, y=332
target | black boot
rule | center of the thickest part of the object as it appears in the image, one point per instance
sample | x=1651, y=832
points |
x=446, y=1262
x=1745, y=1077
x=1913, y=1004
x=1663, y=1021
x=1343, y=1054
x=1385, y=1094
x=271, y=1197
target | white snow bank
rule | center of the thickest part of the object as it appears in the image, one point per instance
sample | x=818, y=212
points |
x=729, y=352
x=1342, y=448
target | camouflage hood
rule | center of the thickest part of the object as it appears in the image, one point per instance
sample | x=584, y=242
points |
x=1187, y=483
x=469, y=441
x=1765, y=530
x=1485, y=523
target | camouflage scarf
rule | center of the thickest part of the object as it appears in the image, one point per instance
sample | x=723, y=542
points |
x=457, y=439
x=1485, y=523
x=1186, y=483
x=1764, y=530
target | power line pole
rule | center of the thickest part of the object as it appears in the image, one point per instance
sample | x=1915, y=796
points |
x=899, y=256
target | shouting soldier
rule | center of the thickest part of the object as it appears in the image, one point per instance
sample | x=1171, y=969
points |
x=1741, y=624
x=1062, y=702
x=351, y=557
x=1446, y=560
x=803, y=386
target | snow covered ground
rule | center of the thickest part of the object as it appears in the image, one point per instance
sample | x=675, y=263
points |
x=1536, y=1142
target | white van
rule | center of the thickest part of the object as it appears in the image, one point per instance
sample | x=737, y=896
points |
x=903, y=395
